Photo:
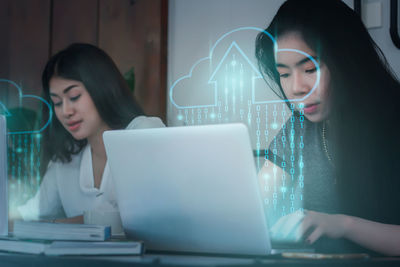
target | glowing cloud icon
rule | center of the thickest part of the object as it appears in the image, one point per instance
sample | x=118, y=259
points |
x=4, y=110
x=211, y=79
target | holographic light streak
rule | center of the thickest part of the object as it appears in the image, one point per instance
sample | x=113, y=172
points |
x=24, y=145
x=235, y=81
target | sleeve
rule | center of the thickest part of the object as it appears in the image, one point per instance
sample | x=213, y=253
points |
x=46, y=204
x=143, y=122
x=283, y=195
x=279, y=149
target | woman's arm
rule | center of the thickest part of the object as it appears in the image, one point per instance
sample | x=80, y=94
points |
x=383, y=238
x=269, y=176
x=46, y=203
x=379, y=237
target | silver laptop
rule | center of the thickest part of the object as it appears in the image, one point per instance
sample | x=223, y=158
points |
x=189, y=189
x=3, y=178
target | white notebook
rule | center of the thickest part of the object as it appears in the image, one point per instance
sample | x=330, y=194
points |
x=60, y=231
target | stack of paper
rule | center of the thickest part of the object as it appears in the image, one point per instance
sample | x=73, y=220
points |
x=66, y=239
x=23, y=246
x=117, y=247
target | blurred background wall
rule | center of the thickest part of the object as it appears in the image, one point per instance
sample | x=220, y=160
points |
x=132, y=32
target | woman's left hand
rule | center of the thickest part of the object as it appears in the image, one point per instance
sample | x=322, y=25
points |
x=316, y=223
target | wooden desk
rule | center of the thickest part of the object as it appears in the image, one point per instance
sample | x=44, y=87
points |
x=9, y=259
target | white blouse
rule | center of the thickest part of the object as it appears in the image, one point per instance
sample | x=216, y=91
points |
x=67, y=189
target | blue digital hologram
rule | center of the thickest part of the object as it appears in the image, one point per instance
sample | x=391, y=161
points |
x=24, y=147
x=252, y=73
x=21, y=96
x=227, y=86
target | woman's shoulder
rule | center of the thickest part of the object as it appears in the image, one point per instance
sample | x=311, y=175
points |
x=296, y=127
x=299, y=124
x=293, y=122
x=142, y=122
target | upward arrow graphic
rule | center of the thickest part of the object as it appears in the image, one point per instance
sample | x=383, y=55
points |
x=233, y=79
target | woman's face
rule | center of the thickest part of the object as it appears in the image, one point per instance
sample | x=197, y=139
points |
x=298, y=75
x=75, y=109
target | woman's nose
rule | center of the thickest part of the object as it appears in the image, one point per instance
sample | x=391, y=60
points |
x=68, y=109
x=301, y=85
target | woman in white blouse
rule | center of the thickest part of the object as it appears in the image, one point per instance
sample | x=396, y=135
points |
x=89, y=96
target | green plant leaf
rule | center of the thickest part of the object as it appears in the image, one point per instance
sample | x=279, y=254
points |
x=129, y=76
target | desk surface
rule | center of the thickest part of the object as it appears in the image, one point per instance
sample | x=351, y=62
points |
x=11, y=259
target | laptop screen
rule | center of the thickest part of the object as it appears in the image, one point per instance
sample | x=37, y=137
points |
x=3, y=178
x=199, y=193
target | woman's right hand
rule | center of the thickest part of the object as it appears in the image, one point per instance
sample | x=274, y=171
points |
x=309, y=226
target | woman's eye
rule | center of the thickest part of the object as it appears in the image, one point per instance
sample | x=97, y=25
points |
x=75, y=98
x=284, y=75
x=311, y=70
x=57, y=104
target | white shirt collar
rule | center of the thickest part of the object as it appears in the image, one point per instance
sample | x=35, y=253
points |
x=86, y=178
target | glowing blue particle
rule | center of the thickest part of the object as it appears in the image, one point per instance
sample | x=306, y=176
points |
x=212, y=115
x=301, y=105
x=180, y=117
x=233, y=63
x=274, y=126
x=283, y=189
x=266, y=176
x=19, y=150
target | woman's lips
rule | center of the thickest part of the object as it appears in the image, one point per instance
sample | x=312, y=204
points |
x=311, y=108
x=73, y=126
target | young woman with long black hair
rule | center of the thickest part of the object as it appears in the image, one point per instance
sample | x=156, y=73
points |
x=350, y=156
x=88, y=95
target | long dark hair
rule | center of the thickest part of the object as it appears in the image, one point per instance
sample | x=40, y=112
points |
x=106, y=86
x=363, y=94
